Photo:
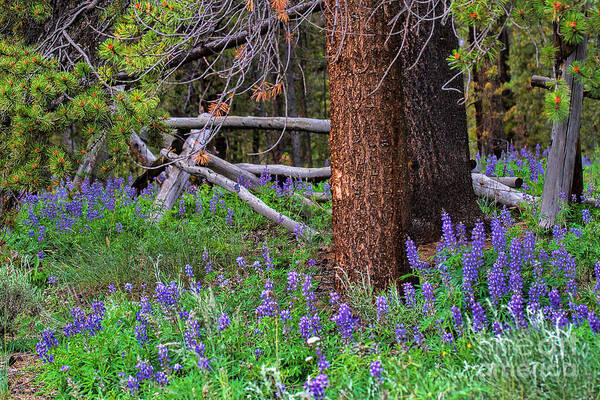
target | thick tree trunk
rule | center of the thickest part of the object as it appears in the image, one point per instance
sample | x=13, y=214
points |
x=368, y=142
x=440, y=178
x=563, y=151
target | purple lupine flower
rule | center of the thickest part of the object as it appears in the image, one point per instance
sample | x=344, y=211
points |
x=265, y=177
x=334, y=297
x=167, y=295
x=229, y=218
x=322, y=364
x=506, y=217
x=576, y=232
x=597, y=275
x=400, y=334
x=189, y=271
x=128, y=287
x=119, y=227
x=52, y=279
x=409, y=295
x=515, y=280
x=45, y=344
x=376, y=370
x=132, y=384
x=429, y=296
x=496, y=279
x=112, y=289
x=267, y=258
x=163, y=355
x=316, y=386
x=594, y=322
x=161, y=378
x=498, y=235
x=145, y=371
x=558, y=233
x=471, y=262
x=305, y=327
x=479, y=317
x=528, y=247
x=457, y=318
x=64, y=368
x=555, y=301
x=381, y=304
x=585, y=216
x=418, y=337
x=345, y=321
x=461, y=233
x=299, y=230
x=269, y=306
x=449, y=240
x=497, y=328
x=580, y=313
x=224, y=321
x=308, y=293
x=490, y=165
x=141, y=332
x=515, y=306
x=293, y=279
x=413, y=256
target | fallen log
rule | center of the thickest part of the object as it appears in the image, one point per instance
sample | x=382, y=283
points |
x=233, y=172
x=208, y=121
x=491, y=189
x=510, y=181
x=173, y=186
x=294, y=172
x=245, y=195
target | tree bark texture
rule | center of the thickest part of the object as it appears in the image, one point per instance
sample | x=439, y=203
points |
x=563, y=151
x=368, y=142
x=437, y=145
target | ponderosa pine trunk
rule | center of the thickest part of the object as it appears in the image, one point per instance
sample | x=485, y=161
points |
x=368, y=142
x=438, y=143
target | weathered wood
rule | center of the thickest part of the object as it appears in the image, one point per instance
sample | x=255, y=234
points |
x=140, y=151
x=88, y=163
x=563, y=151
x=245, y=195
x=230, y=170
x=294, y=172
x=491, y=189
x=510, y=181
x=208, y=121
x=177, y=178
x=545, y=82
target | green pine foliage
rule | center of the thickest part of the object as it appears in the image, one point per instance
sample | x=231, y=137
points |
x=554, y=27
x=38, y=101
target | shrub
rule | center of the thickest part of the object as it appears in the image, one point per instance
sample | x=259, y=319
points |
x=17, y=295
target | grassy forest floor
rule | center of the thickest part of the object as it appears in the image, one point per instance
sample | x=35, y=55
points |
x=217, y=302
